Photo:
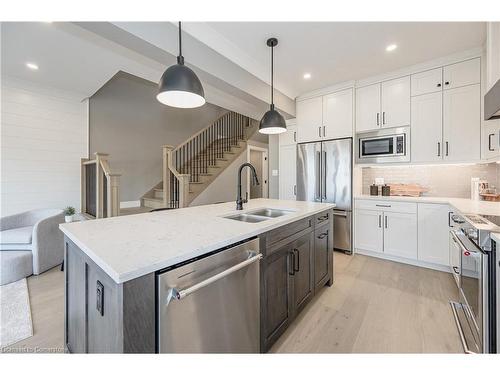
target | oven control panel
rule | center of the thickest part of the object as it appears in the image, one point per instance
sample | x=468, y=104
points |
x=400, y=144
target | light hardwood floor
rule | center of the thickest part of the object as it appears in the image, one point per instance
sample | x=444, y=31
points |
x=374, y=306
x=377, y=306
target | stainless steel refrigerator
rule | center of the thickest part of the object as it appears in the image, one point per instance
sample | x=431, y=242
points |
x=324, y=174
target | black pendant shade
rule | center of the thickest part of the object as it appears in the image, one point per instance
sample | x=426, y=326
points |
x=179, y=86
x=272, y=122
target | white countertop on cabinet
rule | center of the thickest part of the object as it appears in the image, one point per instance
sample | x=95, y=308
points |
x=127, y=247
x=466, y=206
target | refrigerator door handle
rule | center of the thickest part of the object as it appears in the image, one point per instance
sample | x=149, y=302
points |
x=318, y=176
x=323, y=175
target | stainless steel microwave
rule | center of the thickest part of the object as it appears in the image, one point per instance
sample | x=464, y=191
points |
x=383, y=146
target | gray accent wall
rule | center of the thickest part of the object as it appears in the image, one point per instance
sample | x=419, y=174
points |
x=127, y=122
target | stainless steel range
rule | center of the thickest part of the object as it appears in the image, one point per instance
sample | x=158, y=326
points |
x=475, y=312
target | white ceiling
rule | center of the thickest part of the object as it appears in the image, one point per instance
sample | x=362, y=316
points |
x=334, y=52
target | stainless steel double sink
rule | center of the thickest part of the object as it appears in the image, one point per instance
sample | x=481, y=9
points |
x=259, y=215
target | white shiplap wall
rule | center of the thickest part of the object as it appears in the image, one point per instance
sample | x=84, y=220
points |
x=43, y=137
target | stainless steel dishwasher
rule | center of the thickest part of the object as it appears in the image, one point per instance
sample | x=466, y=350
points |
x=211, y=304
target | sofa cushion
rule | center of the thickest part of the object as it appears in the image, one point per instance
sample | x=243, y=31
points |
x=15, y=265
x=21, y=235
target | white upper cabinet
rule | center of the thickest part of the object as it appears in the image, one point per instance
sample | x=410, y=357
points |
x=433, y=246
x=395, y=102
x=492, y=53
x=337, y=114
x=368, y=108
x=427, y=82
x=462, y=74
x=461, y=123
x=426, y=127
x=383, y=105
x=490, y=139
x=290, y=136
x=309, y=119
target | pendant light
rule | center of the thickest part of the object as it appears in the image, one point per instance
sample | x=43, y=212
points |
x=272, y=122
x=179, y=86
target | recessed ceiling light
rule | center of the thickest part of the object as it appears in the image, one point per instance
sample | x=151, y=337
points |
x=391, y=47
x=32, y=66
x=307, y=75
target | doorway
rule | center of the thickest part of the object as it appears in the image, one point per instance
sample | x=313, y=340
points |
x=257, y=156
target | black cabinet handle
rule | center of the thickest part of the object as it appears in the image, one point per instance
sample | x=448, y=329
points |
x=295, y=136
x=439, y=148
x=292, y=262
x=298, y=261
x=446, y=148
x=447, y=83
x=322, y=235
x=380, y=221
x=449, y=219
x=383, y=118
x=323, y=218
x=455, y=268
x=378, y=116
x=294, y=189
x=489, y=142
x=383, y=205
x=385, y=219
x=438, y=85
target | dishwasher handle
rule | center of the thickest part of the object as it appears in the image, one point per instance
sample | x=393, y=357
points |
x=180, y=294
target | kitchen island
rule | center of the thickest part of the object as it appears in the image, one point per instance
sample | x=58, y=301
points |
x=112, y=265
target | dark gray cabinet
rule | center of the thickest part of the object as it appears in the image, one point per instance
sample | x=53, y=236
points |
x=298, y=260
x=302, y=275
x=323, y=267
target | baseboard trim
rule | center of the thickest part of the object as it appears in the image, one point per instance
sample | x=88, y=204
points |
x=413, y=262
x=130, y=204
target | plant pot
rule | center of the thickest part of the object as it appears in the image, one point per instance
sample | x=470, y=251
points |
x=68, y=218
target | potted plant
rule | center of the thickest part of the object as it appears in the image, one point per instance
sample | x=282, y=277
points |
x=68, y=214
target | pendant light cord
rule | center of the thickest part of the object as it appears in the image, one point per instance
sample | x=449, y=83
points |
x=272, y=76
x=180, y=58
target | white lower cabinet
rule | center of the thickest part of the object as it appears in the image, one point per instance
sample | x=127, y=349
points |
x=433, y=238
x=400, y=234
x=417, y=232
x=368, y=230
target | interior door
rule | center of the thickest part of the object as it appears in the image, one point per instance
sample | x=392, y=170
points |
x=288, y=172
x=395, y=102
x=309, y=119
x=369, y=234
x=461, y=123
x=368, y=108
x=427, y=127
x=400, y=234
x=309, y=172
x=337, y=172
x=338, y=114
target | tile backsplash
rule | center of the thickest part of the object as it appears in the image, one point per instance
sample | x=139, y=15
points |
x=441, y=180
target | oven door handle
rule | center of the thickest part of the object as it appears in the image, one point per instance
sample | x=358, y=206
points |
x=180, y=294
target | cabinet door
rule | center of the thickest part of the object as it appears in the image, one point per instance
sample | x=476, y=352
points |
x=309, y=119
x=337, y=114
x=289, y=137
x=276, y=294
x=461, y=123
x=490, y=139
x=427, y=82
x=322, y=258
x=303, y=272
x=400, y=234
x=396, y=102
x=368, y=234
x=462, y=74
x=427, y=127
x=288, y=172
x=433, y=232
x=368, y=108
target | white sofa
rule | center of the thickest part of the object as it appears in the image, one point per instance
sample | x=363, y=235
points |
x=30, y=243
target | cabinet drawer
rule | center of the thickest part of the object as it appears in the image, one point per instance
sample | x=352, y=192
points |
x=388, y=206
x=278, y=234
x=323, y=218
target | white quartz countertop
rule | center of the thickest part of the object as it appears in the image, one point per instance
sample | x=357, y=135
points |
x=466, y=206
x=127, y=247
x=496, y=238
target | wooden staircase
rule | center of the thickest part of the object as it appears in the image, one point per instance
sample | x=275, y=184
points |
x=190, y=167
